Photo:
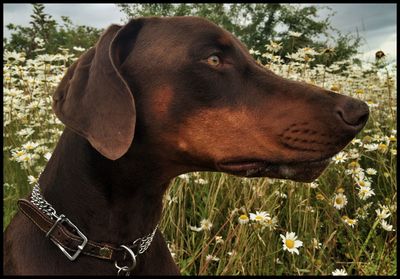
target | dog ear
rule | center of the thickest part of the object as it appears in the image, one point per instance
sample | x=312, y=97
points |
x=94, y=100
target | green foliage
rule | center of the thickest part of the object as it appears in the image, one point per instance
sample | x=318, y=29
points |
x=256, y=24
x=45, y=35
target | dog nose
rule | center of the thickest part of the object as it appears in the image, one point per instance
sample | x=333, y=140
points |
x=353, y=113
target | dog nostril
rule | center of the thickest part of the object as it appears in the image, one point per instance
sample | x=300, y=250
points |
x=353, y=112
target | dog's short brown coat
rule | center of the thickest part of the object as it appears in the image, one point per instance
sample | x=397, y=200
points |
x=145, y=105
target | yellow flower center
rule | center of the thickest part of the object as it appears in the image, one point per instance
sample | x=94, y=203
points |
x=259, y=218
x=382, y=146
x=335, y=88
x=243, y=217
x=289, y=243
x=354, y=165
x=339, y=200
x=20, y=153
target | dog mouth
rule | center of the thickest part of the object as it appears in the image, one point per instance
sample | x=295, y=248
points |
x=301, y=171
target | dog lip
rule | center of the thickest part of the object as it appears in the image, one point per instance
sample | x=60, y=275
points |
x=302, y=171
x=242, y=165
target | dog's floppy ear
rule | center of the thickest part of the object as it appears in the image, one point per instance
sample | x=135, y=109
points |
x=94, y=100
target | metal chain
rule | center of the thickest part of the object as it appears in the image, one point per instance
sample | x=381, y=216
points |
x=145, y=241
x=38, y=200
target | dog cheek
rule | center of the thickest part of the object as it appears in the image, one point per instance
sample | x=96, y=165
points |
x=160, y=101
x=216, y=133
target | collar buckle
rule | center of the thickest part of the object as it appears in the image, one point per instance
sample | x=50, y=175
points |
x=61, y=219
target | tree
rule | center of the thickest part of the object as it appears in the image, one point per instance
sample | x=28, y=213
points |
x=257, y=24
x=45, y=35
x=23, y=39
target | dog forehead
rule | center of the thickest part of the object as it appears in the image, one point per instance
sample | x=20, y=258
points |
x=186, y=29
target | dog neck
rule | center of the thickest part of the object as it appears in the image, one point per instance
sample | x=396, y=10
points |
x=110, y=201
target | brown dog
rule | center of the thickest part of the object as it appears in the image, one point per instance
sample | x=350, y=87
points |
x=153, y=99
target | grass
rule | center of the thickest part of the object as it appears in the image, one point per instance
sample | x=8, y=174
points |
x=228, y=247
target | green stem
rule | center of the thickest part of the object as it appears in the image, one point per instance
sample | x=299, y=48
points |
x=371, y=232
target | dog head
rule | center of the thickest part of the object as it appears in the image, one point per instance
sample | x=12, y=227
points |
x=189, y=90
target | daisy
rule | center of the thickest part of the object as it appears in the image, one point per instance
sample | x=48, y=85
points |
x=205, y=224
x=294, y=34
x=363, y=183
x=340, y=201
x=341, y=157
x=290, y=242
x=386, y=226
x=243, y=219
x=353, y=153
x=78, y=48
x=354, y=172
x=201, y=181
x=17, y=154
x=316, y=245
x=32, y=179
x=219, y=239
x=260, y=216
x=212, y=258
x=252, y=51
x=348, y=221
x=365, y=192
x=392, y=138
x=15, y=56
x=271, y=223
x=371, y=146
x=185, y=177
x=25, y=132
x=47, y=156
x=30, y=145
x=382, y=214
x=273, y=46
x=353, y=165
x=371, y=171
x=339, y=272
x=356, y=141
x=382, y=147
x=195, y=229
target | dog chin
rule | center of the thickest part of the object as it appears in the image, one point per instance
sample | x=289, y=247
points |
x=296, y=171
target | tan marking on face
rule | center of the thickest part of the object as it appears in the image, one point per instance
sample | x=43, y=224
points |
x=227, y=133
x=182, y=145
x=225, y=39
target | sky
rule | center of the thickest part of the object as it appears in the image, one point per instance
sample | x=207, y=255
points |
x=376, y=23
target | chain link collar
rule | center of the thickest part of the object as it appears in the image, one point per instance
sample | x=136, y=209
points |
x=141, y=244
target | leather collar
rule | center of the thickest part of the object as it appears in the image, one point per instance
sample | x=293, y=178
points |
x=68, y=237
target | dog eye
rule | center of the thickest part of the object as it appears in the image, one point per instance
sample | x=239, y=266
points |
x=213, y=60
